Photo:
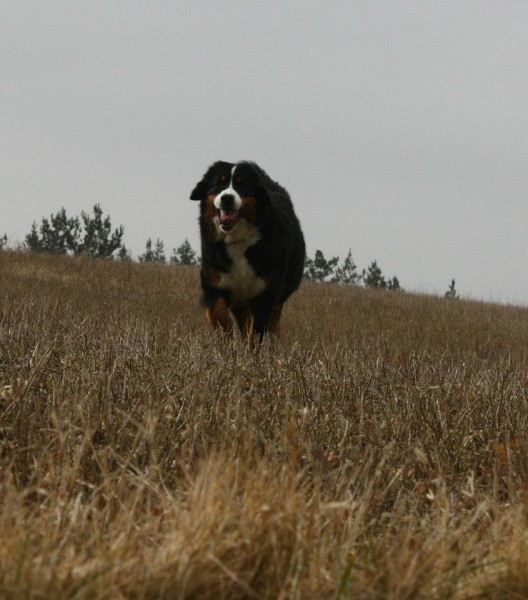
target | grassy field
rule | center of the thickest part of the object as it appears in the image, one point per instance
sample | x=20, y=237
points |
x=377, y=450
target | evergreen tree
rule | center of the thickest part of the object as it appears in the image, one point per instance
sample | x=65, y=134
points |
x=372, y=277
x=148, y=255
x=394, y=284
x=347, y=272
x=159, y=252
x=60, y=234
x=184, y=255
x=451, y=291
x=99, y=240
x=124, y=254
x=32, y=240
x=319, y=268
x=153, y=255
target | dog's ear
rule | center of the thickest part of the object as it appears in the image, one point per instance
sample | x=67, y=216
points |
x=200, y=190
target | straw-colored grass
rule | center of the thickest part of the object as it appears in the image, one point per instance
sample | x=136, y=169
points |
x=377, y=450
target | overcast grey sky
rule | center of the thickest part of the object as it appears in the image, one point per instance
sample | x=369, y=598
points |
x=399, y=128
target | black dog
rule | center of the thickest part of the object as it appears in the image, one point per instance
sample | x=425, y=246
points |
x=252, y=247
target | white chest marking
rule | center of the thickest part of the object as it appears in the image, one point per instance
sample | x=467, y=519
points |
x=241, y=279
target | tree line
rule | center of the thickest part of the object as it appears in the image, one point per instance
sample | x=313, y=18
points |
x=93, y=235
x=321, y=269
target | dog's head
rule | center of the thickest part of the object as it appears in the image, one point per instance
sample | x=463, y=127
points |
x=229, y=193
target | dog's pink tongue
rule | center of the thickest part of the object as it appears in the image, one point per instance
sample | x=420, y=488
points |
x=228, y=217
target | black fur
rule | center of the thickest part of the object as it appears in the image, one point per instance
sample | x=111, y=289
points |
x=278, y=255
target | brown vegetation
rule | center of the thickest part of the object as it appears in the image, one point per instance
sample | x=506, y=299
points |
x=378, y=450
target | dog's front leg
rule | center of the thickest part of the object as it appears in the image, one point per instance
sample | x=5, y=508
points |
x=218, y=316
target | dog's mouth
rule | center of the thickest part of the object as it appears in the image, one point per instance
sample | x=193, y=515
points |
x=228, y=218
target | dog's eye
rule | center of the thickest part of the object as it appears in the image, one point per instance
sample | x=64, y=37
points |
x=243, y=188
x=217, y=188
x=240, y=183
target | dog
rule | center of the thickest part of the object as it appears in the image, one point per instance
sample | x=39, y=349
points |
x=253, y=248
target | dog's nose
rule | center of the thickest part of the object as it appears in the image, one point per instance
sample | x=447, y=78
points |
x=228, y=201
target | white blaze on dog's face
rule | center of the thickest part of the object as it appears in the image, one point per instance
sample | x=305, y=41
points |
x=228, y=202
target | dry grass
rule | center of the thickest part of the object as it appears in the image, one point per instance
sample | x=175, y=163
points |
x=378, y=450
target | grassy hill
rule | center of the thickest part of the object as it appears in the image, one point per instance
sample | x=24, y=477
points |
x=378, y=450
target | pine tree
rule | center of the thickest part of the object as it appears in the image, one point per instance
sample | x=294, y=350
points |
x=372, y=277
x=184, y=255
x=99, y=240
x=319, y=268
x=347, y=272
x=60, y=234
x=394, y=284
x=32, y=240
x=124, y=254
x=159, y=252
x=451, y=291
x=148, y=255
x=153, y=255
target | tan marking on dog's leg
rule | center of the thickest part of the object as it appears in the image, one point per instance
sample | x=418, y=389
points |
x=219, y=316
x=245, y=319
x=251, y=335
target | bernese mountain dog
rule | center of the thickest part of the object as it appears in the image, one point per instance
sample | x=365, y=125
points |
x=253, y=248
